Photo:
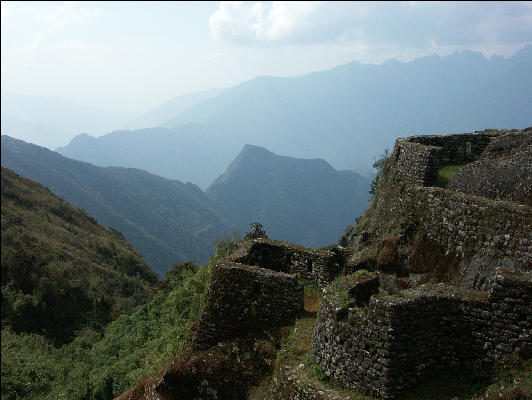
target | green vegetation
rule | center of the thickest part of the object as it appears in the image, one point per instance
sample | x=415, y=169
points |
x=257, y=231
x=379, y=166
x=61, y=271
x=513, y=380
x=446, y=173
x=344, y=282
x=166, y=221
x=81, y=357
x=102, y=366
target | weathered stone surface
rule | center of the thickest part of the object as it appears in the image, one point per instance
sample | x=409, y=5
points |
x=225, y=371
x=462, y=238
x=418, y=158
x=401, y=339
x=290, y=385
x=243, y=299
x=316, y=266
x=452, y=236
x=503, y=172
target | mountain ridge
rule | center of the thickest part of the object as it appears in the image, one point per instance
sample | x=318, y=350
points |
x=177, y=219
x=304, y=201
x=342, y=115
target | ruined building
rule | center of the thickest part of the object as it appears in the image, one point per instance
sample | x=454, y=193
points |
x=433, y=277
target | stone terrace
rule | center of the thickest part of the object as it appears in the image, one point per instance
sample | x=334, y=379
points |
x=398, y=340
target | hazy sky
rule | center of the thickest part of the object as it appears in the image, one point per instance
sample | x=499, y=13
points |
x=130, y=57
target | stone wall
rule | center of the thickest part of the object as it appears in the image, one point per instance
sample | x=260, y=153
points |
x=243, y=299
x=418, y=158
x=316, y=266
x=503, y=172
x=399, y=340
x=415, y=163
x=473, y=235
x=457, y=149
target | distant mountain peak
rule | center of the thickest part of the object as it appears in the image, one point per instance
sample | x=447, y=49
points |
x=305, y=201
x=251, y=148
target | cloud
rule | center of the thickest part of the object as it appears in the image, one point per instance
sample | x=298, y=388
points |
x=411, y=24
x=278, y=22
x=68, y=12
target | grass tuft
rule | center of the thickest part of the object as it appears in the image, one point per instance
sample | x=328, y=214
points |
x=446, y=173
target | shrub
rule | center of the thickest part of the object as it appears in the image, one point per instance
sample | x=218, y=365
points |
x=257, y=231
x=379, y=166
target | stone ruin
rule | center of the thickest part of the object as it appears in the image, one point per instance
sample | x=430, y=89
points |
x=472, y=250
x=317, y=266
x=395, y=341
x=252, y=291
x=471, y=309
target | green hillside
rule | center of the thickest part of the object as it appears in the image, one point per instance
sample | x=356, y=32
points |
x=61, y=270
x=165, y=220
x=81, y=318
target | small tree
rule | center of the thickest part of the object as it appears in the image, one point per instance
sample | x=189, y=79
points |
x=257, y=231
x=379, y=166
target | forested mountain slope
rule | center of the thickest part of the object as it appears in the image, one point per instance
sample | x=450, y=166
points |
x=61, y=270
x=167, y=221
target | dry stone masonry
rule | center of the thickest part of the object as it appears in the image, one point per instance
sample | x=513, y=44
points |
x=503, y=172
x=398, y=340
x=473, y=234
x=418, y=158
x=243, y=299
x=456, y=293
x=317, y=266
x=229, y=348
x=470, y=243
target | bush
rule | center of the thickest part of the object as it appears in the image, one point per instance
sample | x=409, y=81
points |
x=379, y=166
x=257, y=231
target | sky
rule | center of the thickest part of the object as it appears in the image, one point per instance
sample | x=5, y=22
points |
x=129, y=57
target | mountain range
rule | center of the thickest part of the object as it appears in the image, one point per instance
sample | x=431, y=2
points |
x=52, y=122
x=347, y=115
x=299, y=200
x=166, y=111
x=166, y=221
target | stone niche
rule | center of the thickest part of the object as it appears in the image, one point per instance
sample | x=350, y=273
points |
x=317, y=266
x=396, y=341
